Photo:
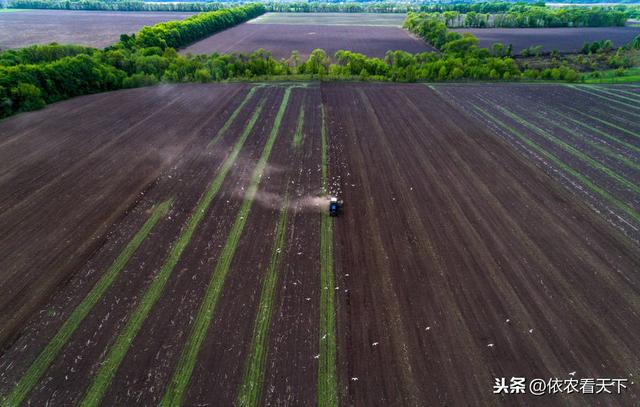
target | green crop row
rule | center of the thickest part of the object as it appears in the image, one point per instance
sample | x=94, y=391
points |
x=52, y=349
x=118, y=350
x=184, y=369
x=249, y=395
x=564, y=167
x=327, y=375
x=571, y=150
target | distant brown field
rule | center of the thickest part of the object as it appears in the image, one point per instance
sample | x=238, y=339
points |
x=92, y=28
x=282, y=39
x=560, y=39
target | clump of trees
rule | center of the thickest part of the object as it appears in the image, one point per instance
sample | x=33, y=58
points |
x=34, y=76
x=37, y=54
x=531, y=16
x=99, y=5
x=462, y=58
x=179, y=33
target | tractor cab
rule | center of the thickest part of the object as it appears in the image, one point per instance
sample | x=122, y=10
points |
x=334, y=206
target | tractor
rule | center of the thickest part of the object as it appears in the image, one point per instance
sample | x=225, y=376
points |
x=334, y=206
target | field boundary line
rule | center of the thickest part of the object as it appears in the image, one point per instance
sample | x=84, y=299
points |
x=231, y=118
x=613, y=125
x=572, y=150
x=596, y=94
x=251, y=388
x=327, y=371
x=71, y=324
x=570, y=170
x=598, y=146
x=119, y=348
x=601, y=132
x=184, y=368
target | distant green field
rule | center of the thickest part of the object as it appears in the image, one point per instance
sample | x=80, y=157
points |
x=630, y=75
x=9, y=10
x=352, y=19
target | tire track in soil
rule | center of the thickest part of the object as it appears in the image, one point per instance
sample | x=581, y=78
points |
x=184, y=369
x=120, y=347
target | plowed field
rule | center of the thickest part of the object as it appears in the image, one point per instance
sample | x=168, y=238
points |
x=168, y=245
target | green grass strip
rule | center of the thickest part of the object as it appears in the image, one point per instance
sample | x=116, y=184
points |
x=251, y=390
x=566, y=168
x=614, y=80
x=600, y=132
x=614, y=94
x=626, y=92
x=121, y=345
x=601, y=148
x=327, y=372
x=49, y=353
x=323, y=138
x=596, y=94
x=188, y=357
x=572, y=150
x=612, y=125
x=231, y=118
x=298, y=135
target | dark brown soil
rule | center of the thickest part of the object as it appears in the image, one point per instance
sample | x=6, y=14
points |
x=457, y=260
x=282, y=39
x=550, y=108
x=560, y=39
x=93, y=28
x=467, y=263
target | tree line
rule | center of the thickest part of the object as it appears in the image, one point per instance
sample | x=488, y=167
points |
x=526, y=16
x=34, y=76
x=98, y=5
x=127, y=5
